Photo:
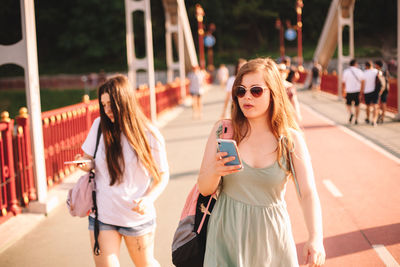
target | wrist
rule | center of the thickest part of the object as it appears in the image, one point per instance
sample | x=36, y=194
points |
x=315, y=238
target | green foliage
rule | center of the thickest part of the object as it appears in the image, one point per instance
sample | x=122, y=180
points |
x=76, y=33
x=13, y=100
x=85, y=36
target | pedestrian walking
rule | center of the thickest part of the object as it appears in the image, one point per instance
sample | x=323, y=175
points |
x=370, y=95
x=293, y=74
x=383, y=90
x=228, y=88
x=249, y=224
x=222, y=75
x=131, y=172
x=290, y=90
x=196, y=78
x=353, y=83
x=316, y=73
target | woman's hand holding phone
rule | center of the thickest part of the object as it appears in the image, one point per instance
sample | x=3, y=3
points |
x=227, y=157
x=221, y=168
x=83, y=163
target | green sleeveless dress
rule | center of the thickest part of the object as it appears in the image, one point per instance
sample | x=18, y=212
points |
x=249, y=225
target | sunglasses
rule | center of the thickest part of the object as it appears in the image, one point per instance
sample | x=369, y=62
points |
x=255, y=91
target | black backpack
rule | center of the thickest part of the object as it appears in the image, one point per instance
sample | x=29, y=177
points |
x=386, y=77
x=378, y=83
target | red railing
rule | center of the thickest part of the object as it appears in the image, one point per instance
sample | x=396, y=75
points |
x=167, y=96
x=8, y=198
x=329, y=83
x=392, y=96
x=302, y=77
x=26, y=190
x=64, y=131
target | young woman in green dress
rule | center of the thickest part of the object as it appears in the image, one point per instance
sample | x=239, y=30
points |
x=249, y=225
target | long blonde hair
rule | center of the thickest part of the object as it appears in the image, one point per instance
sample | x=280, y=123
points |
x=129, y=120
x=281, y=117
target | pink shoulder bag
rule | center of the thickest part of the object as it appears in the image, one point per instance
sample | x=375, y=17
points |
x=81, y=198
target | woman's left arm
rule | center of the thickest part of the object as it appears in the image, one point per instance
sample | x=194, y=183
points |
x=155, y=189
x=152, y=193
x=313, y=252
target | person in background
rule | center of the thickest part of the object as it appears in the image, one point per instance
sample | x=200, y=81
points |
x=131, y=172
x=316, y=73
x=229, y=85
x=353, y=83
x=290, y=90
x=370, y=96
x=222, y=75
x=384, y=91
x=196, y=78
x=249, y=224
x=292, y=73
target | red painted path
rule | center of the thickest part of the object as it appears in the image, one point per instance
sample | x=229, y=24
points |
x=368, y=213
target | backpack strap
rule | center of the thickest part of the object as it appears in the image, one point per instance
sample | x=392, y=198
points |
x=206, y=212
x=97, y=140
x=96, y=247
x=284, y=141
x=355, y=76
x=225, y=129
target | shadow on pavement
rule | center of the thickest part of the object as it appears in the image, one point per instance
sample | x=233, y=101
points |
x=195, y=123
x=217, y=102
x=316, y=126
x=199, y=137
x=183, y=174
x=357, y=241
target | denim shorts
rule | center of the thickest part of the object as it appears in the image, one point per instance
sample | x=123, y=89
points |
x=139, y=230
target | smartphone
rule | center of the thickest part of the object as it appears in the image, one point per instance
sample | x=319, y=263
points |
x=228, y=145
x=78, y=161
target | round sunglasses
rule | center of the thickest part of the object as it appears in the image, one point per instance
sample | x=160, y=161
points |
x=256, y=91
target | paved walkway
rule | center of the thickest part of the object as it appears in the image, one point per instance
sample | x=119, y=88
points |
x=387, y=135
x=351, y=226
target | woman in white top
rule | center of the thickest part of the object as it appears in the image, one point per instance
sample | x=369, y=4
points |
x=131, y=172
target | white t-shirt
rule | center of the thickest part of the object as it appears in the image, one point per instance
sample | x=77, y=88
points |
x=370, y=76
x=115, y=202
x=222, y=74
x=229, y=83
x=352, y=77
x=196, y=82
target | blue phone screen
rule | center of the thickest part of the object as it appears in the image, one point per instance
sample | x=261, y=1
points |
x=231, y=149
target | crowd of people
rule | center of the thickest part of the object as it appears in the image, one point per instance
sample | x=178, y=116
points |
x=261, y=101
x=370, y=85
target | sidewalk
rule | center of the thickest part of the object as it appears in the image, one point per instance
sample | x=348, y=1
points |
x=61, y=240
x=386, y=135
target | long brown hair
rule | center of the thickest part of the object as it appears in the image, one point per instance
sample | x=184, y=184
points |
x=281, y=116
x=129, y=120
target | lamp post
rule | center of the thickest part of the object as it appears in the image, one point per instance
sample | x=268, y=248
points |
x=299, y=6
x=279, y=26
x=209, y=42
x=200, y=30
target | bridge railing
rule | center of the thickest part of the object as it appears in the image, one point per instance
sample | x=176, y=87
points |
x=64, y=131
x=8, y=193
